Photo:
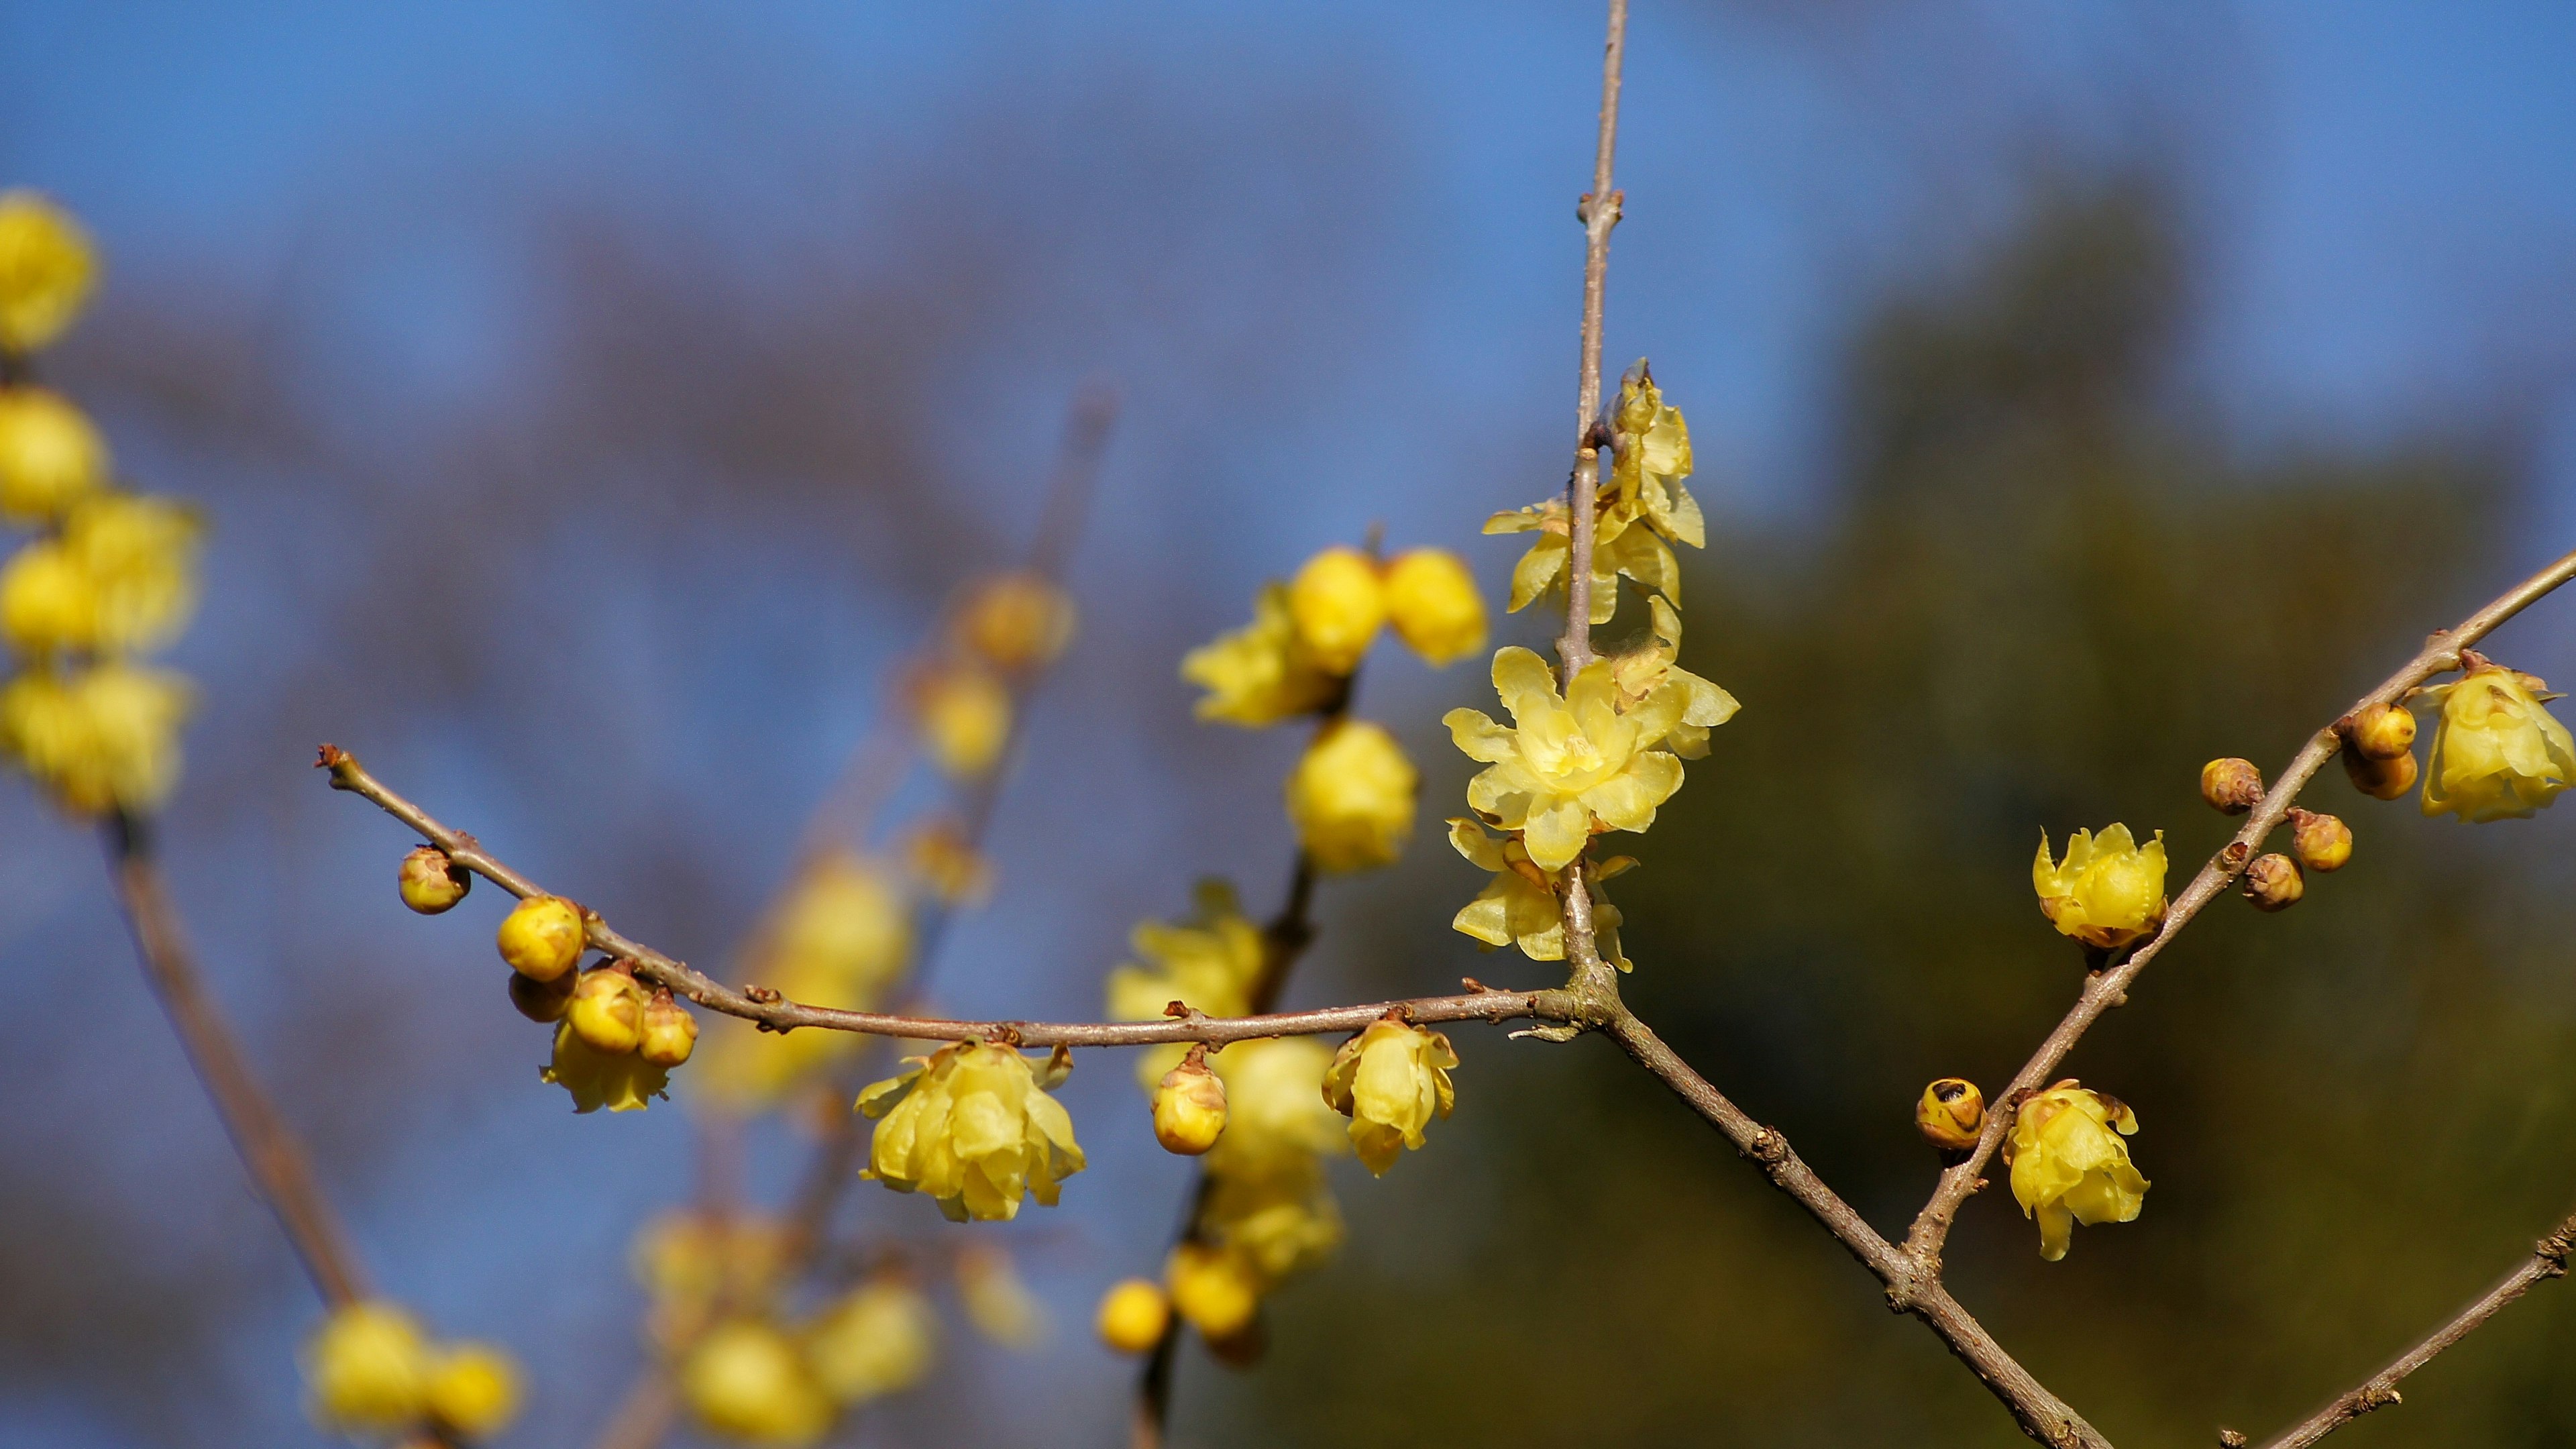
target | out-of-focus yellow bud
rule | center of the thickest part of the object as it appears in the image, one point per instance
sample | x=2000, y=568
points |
x=2273, y=883
x=369, y=1368
x=50, y=456
x=972, y=1126
x=1016, y=621
x=2379, y=779
x=140, y=556
x=879, y=1340
x=1261, y=673
x=1189, y=1108
x=46, y=270
x=100, y=739
x=2383, y=731
x=542, y=1000
x=2498, y=754
x=997, y=1299
x=964, y=715
x=474, y=1390
x=2321, y=841
x=1211, y=1288
x=1351, y=797
x=1432, y=601
x=1337, y=604
x=607, y=1010
x=543, y=937
x=47, y=605
x=2108, y=892
x=745, y=1380
x=430, y=882
x=940, y=857
x=1569, y=761
x=2231, y=786
x=669, y=1034
x=1133, y=1315
x=2069, y=1164
x=1950, y=1114
x=1390, y=1080
x=618, y=1081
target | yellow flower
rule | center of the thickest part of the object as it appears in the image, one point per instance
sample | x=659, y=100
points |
x=430, y=883
x=1572, y=761
x=1520, y=906
x=687, y=1262
x=1654, y=455
x=745, y=1380
x=1261, y=673
x=1351, y=797
x=618, y=1081
x=1337, y=604
x=474, y=1390
x=839, y=937
x=1432, y=601
x=1275, y=1219
x=1189, y=1109
x=997, y=1299
x=369, y=1367
x=1275, y=1108
x=1650, y=666
x=964, y=715
x=607, y=1010
x=46, y=270
x=971, y=1125
x=1133, y=1315
x=542, y=937
x=1211, y=1288
x=48, y=605
x=1390, y=1080
x=2498, y=754
x=1209, y=961
x=2108, y=892
x=50, y=456
x=878, y=1340
x=141, y=558
x=101, y=739
x=1015, y=621
x=2069, y=1165
x=1619, y=546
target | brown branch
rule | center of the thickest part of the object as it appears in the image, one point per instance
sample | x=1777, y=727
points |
x=2109, y=988
x=2548, y=1260
x=1598, y=210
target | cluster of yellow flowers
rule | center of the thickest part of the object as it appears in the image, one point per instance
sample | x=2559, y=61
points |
x=1638, y=515
x=108, y=575
x=373, y=1371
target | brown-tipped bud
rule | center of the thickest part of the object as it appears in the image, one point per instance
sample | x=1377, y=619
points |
x=2231, y=786
x=2383, y=731
x=541, y=1000
x=670, y=1033
x=607, y=1010
x=431, y=882
x=2320, y=841
x=2273, y=883
x=1189, y=1108
x=2379, y=779
x=1951, y=1111
x=543, y=937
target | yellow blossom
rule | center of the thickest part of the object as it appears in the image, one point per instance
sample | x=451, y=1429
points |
x=1520, y=906
x=1950, y=1113
x=1209, y=962
x=1620, y=545
x=1351, y=797
x=1189, y=1108
x=141, y=558
x=1432, y=601
x=1276, y=1217
x=618, y=1081
x=430, y=882
x=687, y=1262
x=880, y=1339
x=1133, y=1315
x=1275, y=1108
x=542, y=937
x=997, y=1299
x=369, y=1366
x=1650, y=666
x=46, y=270
x=745, y=1380
x=1654, y=455
x=670, y=1033
x=839, y=937
x=2108, y=892
x=50, y=455
x=607, y=1010
x=474, y=1390
x=1390, y=1080
x=48, y=605
x=964, y=715
x=1015, y=621
x=973, y=1126
x=1337, y=603
x=1211, y=1288
x=1261, y=673
x=100, y=739
x=2069, y=1164
x=1572, y=764
x=2498, y=754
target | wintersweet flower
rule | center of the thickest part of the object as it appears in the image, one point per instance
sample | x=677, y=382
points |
x=1261, y=673
x=1212, y=1288
x=1209, y=961
x=964, y=716
x=1189, y=1108
x=2108, y=892
x=50, y=455
x=1337, y=604
x=1015, y=621
x=1391, y=1080
x=473, y=1390
x=880, y=1339
x=972, y=1126
x=687, y=1262
x=369, y=1367
x=997, y=1299
x=1276, y=1219
x=140, y=557
x=1133, y=1316
x=1652, y=665
x=2498, y=754
x=1573, y=764
x=2069, y=1164
x=621, y=1081
x=1654, y=455
x=1520, y=905
x=1351, y=797
x=1432, y=601
x=48, y=605
x=745, y=1380
x=46, y=270
x=100, y=739
x=1275, y=1108
x=1620, y=545
x=840, y=936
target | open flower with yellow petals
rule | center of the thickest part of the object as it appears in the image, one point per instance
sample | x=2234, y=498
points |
x=2108, y=892
x=1351, y=797
x=972, y=1126
x=2498, y=754
x=1208, y=962
x=1652, y=664
x=2069, y=1164
x=1653, y=457
x=1520, y=905
x=879, y=1339
x=1570, y=765
x=1391, y=1080
x=1261, y=673
x=1620, y=545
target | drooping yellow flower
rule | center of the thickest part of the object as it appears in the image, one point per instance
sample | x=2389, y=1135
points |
x=1015, y=621
x=619, y=1081
x=140, y=555
x=1520, y=905
x=1654, y=456
x=369, y=1368
x=607, y=1010
x=50, y=455
x=1338, y=604
x=840, y=937
x=1570, y=762
x=1391, y=1080
x=2108, y=892
x=2498, y=754
x=46, y=270
x=1432, y=601
x=48, y=604
x=1133, y=1315
x=1620, y=545
x=473, y=1390
x=964, y=716
x=1651, y=665
x=744, y=1379
x=972, y=1126
x=100, y=739
x=690, y=1262
x=1351, y=797
x=2069, y=1164
x=1275, y=1108
x=1261, y=673
x=1212, y=1288
x=1209, y=961
x=880, y=1339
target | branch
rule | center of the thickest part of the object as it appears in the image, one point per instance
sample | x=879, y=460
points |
x=2109, y=988
x=2548, y=1260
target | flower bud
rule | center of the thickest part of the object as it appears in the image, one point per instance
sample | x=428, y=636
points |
x=669, y=1033
x=1211, y=1289
x=541, y=1000
x=1432, y=601
x=431, y=882
x=1351, y=797
x=474, y=1390
x=607, y=1010
x=1337, y=604
x=46, y=270
x=48, y=602
x=2320, y=841
x=964, y=716
x=1950, y=1113
x=2273, y=883
x=1133, y=1316
x=50, y=455
x=745, y=1380
x=1016, y=621
x=2231, y=786
x=368, y=1366
x=2379, y=779
x=542, y=937
x=1189, y=1108
x=2383, y=731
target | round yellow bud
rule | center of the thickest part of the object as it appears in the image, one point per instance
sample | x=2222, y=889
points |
x=1189, y=1109
x=670, y=1033
x=2383, y=731
x=2320, y=841
x=964, y=716
x=1951, y=1111
x=1351, y=797
x=543, y=937
x=50, y=456
x=430, y=882
x=48, y=602
x=2231, y=786
x=1133, y=1316
x=46, y=270
x=607, y=1010
x=1432, y=601
x=2379, y=779
x=1211, y=1289
x=1016, y=621
x=1337, y=605
x=746, y=1381
x=2273, y=883
x=369, y=1367
x=541, y=1000
x=474, y=1390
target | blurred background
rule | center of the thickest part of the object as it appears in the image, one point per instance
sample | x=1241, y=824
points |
x=592, y=402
